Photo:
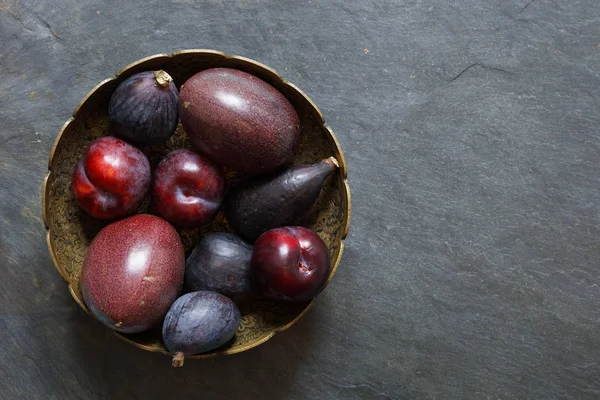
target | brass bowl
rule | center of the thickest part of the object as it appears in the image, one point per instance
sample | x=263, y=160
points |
x=70, y=230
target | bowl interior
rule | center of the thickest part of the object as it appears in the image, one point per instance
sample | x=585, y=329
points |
x=71, y=230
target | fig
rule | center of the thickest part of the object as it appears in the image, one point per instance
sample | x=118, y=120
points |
x=238, y=120
x=132, y=273
x=143, y=109
x=220, y=262
x=258, y=204
x=199, y=322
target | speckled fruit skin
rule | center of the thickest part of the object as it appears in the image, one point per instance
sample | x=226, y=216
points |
x=238, y=120
x=187, y=188
x=199, y=322
x=220, y=262
x=290, y=263
x=261, y=203
x=111, y=179
x=143, y=109
x=133, y=272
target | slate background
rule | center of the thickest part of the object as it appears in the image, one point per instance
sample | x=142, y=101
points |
x=471, y=133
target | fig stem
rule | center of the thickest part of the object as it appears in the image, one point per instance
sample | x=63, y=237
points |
x=333, y=162
x=178, y=359
x=162, y=78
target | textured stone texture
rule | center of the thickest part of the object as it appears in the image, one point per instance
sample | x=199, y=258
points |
x=470, y=130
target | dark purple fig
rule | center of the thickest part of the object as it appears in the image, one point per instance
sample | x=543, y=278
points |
x=258, y=204
x=238, y=120
x=220, y=262
x=143, y=108
x=199, y=322
x=132, y=273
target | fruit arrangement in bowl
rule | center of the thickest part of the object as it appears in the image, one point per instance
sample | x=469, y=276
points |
x=196, y=204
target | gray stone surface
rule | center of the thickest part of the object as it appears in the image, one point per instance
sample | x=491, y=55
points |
x=471, y=133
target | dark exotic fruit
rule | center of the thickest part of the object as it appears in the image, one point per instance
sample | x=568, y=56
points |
x=199, y=322
x=258, y=204
x=133, y=272
x=220, y=262
x=238, y=120
x=143, y=108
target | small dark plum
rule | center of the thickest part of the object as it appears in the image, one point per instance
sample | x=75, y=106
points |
x=187, y=188
x=132, y=273
x=143, y=109
x=290, y=263
x=111, y=179
x=220, y=262
x=239, y=120
x=258, y=204
x=199, y=322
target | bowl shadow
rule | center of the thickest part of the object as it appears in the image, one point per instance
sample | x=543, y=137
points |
x=116, y=370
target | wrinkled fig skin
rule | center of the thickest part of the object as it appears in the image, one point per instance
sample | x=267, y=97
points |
x=143, y=109
x=221, y=263
x=258, y=204
x=199, y=322
x=290, y=263
x=187, y=188
x=133, y=272
x=111, y=179
x=238, y=120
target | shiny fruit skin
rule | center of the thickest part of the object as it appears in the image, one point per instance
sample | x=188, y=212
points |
x=238, y=120
x=258, y=204
x=187, y=188
x=133, y=272
x=290, y=263
x=143, y=109
x=111, y=179
x=220, y=262
x=199, y=322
